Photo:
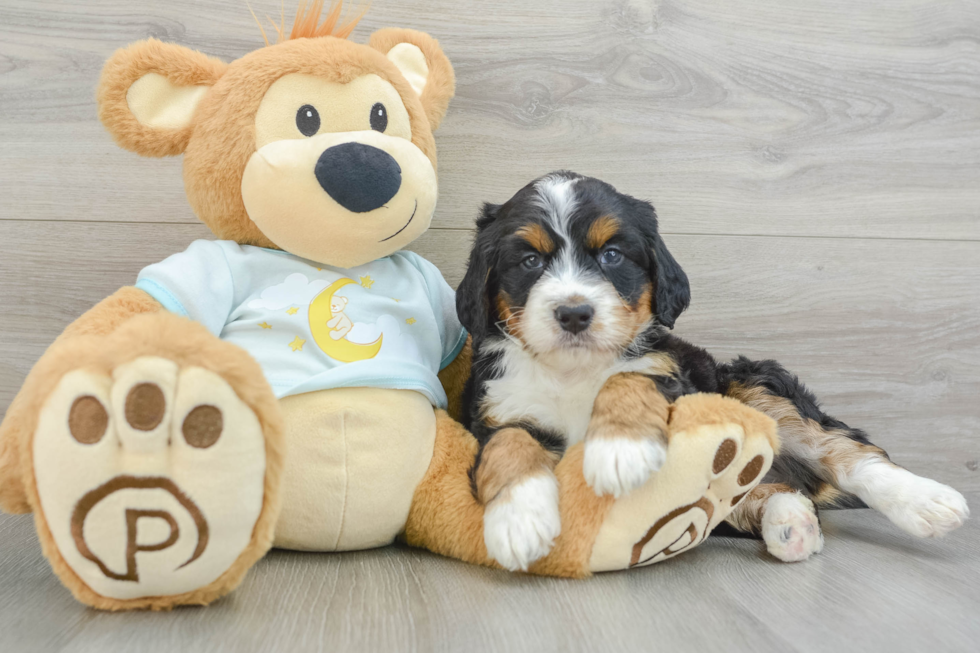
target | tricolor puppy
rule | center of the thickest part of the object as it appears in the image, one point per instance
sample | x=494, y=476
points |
x=569, y=297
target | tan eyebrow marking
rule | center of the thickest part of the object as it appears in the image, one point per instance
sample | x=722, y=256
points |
x=537, y=237
x=604, y=228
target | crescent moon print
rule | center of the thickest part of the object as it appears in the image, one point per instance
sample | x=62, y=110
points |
x=337, y=347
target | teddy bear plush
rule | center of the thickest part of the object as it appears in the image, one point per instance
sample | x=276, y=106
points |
x=288, y=383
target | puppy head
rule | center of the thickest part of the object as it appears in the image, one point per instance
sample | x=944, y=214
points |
x=569, y=263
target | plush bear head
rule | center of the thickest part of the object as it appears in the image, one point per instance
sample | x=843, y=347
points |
x=315, y=145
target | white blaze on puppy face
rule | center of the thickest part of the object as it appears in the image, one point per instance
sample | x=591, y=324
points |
x=566, y=282
x=335, y=177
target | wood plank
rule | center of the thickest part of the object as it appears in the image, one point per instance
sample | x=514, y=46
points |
x=828, y=118
x=886, y=332
x=873, y=588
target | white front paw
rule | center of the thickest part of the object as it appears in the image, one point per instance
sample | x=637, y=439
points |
x=790, y=527
x=521, y=526
x=618, y=465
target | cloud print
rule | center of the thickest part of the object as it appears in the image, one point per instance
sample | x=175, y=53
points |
x=395, y=344
x=296, y=289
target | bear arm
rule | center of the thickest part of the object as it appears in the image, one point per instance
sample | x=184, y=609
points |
x=106, y=316
x=454, y=376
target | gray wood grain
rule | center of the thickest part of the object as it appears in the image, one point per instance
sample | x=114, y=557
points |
x=872, y=589
x=833, y=118
x=816, y=167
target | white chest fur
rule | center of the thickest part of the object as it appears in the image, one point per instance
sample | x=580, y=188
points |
x=556, y=393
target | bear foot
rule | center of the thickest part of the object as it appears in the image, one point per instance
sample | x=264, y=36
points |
x=718, y=450
x=150, y=482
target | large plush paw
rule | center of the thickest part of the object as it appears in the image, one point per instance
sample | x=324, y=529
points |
x=790, y=527
x=521, y=525
x=719, y=450
x=917, y=505
x=619, y=465
x=150, y=481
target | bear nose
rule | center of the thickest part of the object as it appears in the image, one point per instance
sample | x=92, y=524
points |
x=574, y=319
x=359, y=177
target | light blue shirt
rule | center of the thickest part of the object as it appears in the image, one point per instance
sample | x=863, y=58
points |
x=388, y=324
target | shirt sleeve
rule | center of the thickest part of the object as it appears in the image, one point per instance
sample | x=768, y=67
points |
x=197, y=283
x=443, y=300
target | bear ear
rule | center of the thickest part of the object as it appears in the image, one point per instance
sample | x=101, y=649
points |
x=423, y=63
x=148, y=94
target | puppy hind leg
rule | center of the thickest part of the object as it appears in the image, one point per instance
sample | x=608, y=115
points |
x=783, y=517
x=834, y=463
x=917, y=505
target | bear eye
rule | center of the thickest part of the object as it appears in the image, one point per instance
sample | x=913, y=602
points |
x=307, y=120
x=379, y=118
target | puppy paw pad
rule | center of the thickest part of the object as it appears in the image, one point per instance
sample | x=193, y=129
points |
x=790, y=527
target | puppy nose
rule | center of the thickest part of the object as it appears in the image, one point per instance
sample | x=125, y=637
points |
x=574, y=319
x=359, y=177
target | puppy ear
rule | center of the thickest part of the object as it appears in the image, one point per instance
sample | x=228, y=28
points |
x=472, y=296
x=672, y=294
x=148, y=94
x=423, y=63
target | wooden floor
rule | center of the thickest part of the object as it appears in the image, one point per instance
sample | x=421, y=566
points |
x=872, y=589
x=816, y=167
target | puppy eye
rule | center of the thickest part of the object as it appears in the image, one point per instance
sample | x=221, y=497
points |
x=532, y=262
x=379, y=118
x=611, y=256
x=307, y=120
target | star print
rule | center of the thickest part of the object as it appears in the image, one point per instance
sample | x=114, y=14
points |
x=297, y=344
x=410, y=320
x=292, y=311
x=367, y=282
x=265, y=325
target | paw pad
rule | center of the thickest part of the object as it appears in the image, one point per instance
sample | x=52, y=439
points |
x=751, y=471
x=145, y=406
x=724, y=456
x=87, y=420
x=790, y=527
x=202, y=426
